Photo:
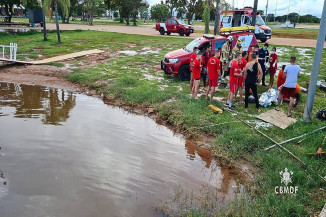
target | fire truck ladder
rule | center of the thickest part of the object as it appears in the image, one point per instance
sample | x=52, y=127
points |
x=232, y=30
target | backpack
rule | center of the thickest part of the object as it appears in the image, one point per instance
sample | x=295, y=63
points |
x=321, y=114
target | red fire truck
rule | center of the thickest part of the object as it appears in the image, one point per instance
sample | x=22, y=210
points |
x=174, y=26
x=177, y=62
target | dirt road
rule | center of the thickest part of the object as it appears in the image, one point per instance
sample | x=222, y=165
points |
x=149, y=30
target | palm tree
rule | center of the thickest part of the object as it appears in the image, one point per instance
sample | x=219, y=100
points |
x=64, y=4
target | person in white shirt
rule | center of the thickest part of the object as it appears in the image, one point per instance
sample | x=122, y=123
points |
x=291, y=72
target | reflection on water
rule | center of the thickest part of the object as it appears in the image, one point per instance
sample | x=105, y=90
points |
x=49, y=104
x=68, y=155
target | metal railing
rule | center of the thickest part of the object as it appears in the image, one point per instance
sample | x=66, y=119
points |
x=12, y=51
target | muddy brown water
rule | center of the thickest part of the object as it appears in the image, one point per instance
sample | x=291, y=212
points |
x=66, y=154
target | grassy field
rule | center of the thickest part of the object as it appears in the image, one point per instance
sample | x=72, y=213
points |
x=136, y=80
x=96, y=21
x=295, y=33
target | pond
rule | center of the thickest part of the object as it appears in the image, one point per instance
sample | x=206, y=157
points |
x=67, y=154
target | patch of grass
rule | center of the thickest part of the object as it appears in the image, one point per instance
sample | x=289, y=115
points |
x=295, y=33
x=137, y=81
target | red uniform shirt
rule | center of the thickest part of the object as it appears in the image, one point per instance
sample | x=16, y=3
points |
x=196, y=69
x=273, y=58
x=192, y=58
x=234, y=70
x=213, y=65
x=242, y=63
x=280, y=79
x=205, y=57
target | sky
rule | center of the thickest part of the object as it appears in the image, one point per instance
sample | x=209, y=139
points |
x=313, y=7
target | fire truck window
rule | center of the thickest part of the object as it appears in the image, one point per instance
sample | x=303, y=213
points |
x=174, y=22
x=219, y=44
x=169, y=21
x=246, y=21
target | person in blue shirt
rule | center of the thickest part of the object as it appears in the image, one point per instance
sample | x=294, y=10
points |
x=263, y=58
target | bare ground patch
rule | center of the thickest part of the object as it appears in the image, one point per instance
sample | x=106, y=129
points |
x=44, y=75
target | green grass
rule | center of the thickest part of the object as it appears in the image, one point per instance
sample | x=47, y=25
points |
x=96, y=21
x=295, y=33
x=126, y=78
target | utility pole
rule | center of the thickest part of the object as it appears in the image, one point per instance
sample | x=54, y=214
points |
x=275, y=13
x=254, y=13
x=315, y=67
x=266, y=12
x=299, y=11
x=287, y=16
x=233, y=5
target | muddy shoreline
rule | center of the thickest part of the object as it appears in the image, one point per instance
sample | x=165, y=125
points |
x=53, y=76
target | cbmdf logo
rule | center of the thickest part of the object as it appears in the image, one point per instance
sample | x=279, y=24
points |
x=286, y=179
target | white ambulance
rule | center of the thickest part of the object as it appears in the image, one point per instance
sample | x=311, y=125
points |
x=243, y=17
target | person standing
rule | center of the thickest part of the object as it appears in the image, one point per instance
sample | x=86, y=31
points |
x=227, y=55
x=237, y=48
x=251, y=71
x=214, y=72
x=193, y=56
x=273, y=66
x=234, y=74
x=242, y=65
x=291, y=72
x=262, y=59
x=205, y=57
x=196, y=76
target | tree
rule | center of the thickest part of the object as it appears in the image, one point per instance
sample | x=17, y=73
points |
x=206, y=16
x=8, y=8
x=136, y=5
x=143, y=11
x=190, y=8
x=93, y=7
x=172, y=4
x=159, y=12
x=64, y=4
x=199, y=10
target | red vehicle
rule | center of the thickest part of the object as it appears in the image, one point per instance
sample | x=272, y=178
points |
x=177, y=62
x=174, y=26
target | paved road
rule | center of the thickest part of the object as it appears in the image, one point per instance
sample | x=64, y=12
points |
x=149, y=30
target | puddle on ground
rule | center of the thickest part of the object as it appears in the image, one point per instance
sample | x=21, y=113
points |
x=68, y=155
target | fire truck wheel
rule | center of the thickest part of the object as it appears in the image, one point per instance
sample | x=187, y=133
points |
x=168, y=33
x=184, y=73
x=263, y=40
x=181, y=32
x=162, y=32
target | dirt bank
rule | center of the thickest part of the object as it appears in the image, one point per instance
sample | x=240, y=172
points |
x=44, y=75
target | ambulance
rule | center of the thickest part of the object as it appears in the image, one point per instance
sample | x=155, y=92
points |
x=243, y=17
